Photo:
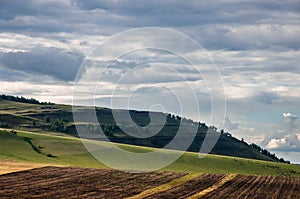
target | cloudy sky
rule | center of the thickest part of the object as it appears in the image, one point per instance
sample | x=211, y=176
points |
x=254, y=44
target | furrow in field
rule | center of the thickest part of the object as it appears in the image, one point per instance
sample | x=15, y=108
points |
x=213, y=187
x=164, y=187
x=258, y=187
x=190, y=187
x=52, y=182
x=70, y=182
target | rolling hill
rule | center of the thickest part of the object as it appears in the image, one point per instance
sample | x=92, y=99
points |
x=19, y=114
x=57, y=149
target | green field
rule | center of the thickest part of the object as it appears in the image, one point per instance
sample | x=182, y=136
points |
x=62, y=150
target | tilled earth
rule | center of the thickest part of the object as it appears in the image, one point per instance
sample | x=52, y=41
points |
x=259, y=187
x=71, y=182
x=68, y=182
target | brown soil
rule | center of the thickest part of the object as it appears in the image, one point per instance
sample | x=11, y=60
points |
x=68, y=182
x=259, y=187
x=71, y=182
x=191, y=187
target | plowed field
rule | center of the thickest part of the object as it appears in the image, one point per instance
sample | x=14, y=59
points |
x=259, y=187
x=66, y=182
x=70, y=182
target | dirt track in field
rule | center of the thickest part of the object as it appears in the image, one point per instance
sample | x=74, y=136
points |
x=70, y=182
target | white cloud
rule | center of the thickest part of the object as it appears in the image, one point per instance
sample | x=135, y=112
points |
x=42, y=91
x=286, y=143
x=290, y=116
x=285, y=140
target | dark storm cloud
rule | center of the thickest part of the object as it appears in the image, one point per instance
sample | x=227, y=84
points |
x=138, y=7
x=50, y=16
x=216, y=24
x=9, y=9
x=234, y=25
x=10, y=75
x=54, y=62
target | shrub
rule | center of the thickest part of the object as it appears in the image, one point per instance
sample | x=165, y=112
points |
x=3, y=125
x=50, y=155
x=58, y=125
x=13, y=132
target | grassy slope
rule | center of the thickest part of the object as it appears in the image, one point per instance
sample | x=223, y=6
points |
x=70, y=151
x=67, y=151
x=22, y=115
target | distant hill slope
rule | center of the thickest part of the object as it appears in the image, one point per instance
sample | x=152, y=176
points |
x=47, y=117
x=63, y=150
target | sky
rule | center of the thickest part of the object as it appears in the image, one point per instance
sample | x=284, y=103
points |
x=254, y=45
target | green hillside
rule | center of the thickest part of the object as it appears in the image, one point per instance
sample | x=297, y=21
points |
x=49, y=118
x=61, y=150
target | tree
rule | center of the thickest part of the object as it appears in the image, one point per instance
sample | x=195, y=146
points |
x=222, y=131
x=23, y=100
x=58, y=125
x=213, y=128
x=108, y=129
x=256, y=147
x=282, y=160
x=33, y=123
x=178, y=118
x=47, y=119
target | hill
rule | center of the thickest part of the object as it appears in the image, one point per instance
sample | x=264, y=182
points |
x=57, y=149
x=48, y=117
